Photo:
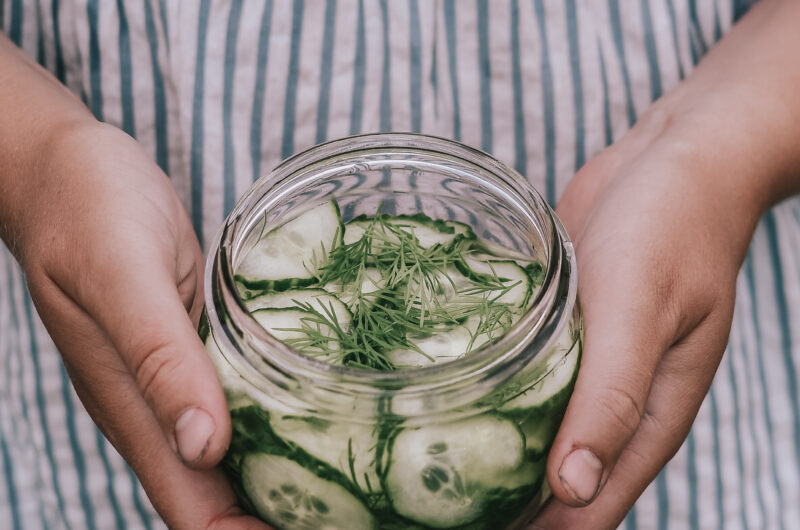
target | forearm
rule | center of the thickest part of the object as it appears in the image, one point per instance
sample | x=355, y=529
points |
x=737, y=114
x=36, y=110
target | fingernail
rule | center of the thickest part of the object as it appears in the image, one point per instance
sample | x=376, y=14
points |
x=580, y=474
x=193, y=432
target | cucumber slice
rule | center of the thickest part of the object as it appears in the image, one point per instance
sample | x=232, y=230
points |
x=443, y=346
x=559, y=375
x=371, y=282
x=442, y=475
x=355, y=230
x=239, y=392
x=429, y=232
x=231, y=381
x=539, y=431
x=437, y=348
x=528, y=473
x=319, y=299
x=287, y=325
x=348, y=447
x=291, y=497
x=464, y=333
x=287, y=256
x=461, y=229
x=501, y=252
x=532, y=266
x=445, y=287
x=483, y=268
x=535, y=272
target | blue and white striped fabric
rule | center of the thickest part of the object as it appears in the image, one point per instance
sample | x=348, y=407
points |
x=220, y=91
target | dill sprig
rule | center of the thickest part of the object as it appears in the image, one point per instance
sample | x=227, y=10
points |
x=364, y=344
x=418, y=293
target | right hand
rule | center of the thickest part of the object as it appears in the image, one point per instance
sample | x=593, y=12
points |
x=115, y=271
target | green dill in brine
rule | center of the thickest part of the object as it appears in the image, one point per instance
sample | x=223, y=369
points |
x=384, y=292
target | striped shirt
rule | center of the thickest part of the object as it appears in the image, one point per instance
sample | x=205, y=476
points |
x=219, y=91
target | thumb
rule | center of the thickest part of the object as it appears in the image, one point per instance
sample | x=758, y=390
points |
x=142, y=313
x=614, y=381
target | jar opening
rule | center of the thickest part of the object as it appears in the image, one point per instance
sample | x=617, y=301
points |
x=399, y=174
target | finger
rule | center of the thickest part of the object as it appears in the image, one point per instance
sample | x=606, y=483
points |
x=637, y=466
x=622, y=350
x=185, y=498
x=159, y=344
x=135, y=298
x=679, y=387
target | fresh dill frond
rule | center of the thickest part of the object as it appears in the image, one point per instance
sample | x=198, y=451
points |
x=398, y=290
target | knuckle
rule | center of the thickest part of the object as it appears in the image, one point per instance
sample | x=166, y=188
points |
x=671, y=431
x=622, y=408
x=154, y=369
x=230, y=517
x=652, y=423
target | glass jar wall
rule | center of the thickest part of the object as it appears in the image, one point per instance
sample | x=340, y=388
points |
x=459, y=444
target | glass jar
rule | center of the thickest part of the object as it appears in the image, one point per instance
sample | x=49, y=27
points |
x=456, y=445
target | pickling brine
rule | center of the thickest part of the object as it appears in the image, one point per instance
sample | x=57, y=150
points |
x=385, y=370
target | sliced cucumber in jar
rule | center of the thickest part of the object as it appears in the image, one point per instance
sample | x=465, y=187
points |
x=410, y=291
x=478, y=314
x=444, y=346
x=369, y=283
x=461, y=229
x=232, y=382
x=553, y=387
x=286, y=324
x=317, y=300
x=311, y=332
x=532, y=266
x=440, y=347
x=239, y=392
x=427, y=231
x=348, y=447
x=287, y=257
x=503, y=272
x=502, y=252
x=528, y=474
x=443, y=475
x=291, y=497
x=539, y=431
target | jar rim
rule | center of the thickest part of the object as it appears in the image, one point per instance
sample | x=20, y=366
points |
x=544, y=320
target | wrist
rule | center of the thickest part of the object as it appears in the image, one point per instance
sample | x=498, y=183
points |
x=36, y=178
x=745, y=149
x=37, y=111
x=701, y=177
x=740, y=108
x=731, y=145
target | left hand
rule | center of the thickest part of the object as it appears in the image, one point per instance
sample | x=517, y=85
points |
x=659, y=240
x=661, y=222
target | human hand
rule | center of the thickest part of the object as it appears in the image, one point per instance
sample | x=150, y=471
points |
x=659, y=240
x=661, y=222
x=115, y=271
